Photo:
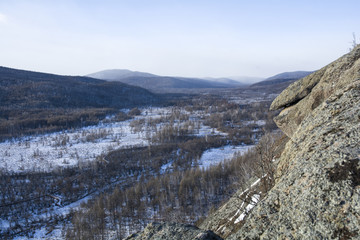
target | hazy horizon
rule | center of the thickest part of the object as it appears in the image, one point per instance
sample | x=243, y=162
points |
x=176, y=38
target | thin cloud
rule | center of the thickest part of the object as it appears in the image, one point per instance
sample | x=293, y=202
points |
x=3, y=18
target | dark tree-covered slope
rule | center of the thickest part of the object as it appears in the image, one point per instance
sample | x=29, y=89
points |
x=33, y=102
x=25, y=89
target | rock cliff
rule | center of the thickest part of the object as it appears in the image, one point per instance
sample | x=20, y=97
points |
x=303, y=96
x=317, y=189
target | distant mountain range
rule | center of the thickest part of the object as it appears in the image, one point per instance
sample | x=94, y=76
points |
x=236, y=80
x=165, y=84
x=27, y=89
x=161, y=84
x=116, y=74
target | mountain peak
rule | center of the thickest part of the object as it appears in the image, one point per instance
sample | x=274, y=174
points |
x=117, y=74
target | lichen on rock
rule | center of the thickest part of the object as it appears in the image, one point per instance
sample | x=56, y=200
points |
x=317, y=182
x=317, y=192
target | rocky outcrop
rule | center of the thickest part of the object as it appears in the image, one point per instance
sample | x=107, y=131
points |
x=317, y=187
x=173, y=231
x=231, y=216
x=317, y=194
x=317, y=190
x=303, y=96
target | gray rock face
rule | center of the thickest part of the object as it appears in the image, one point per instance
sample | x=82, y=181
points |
x=317, y=192
x=173, y=231
x=303, y=96
x=231, y=216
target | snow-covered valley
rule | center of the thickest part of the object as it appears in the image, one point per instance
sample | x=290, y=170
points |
x=80, y=146
x=191, y=137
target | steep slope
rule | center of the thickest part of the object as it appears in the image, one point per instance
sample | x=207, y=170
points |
x=26, y=89
x=33, y=102
x=317, y=181
x=317, y=190
x=229, y=217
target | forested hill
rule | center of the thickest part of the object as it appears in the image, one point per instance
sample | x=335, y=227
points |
x=25, y=89
x=33, y=102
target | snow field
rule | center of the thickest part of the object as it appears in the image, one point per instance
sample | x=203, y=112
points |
x=60, y=149
x=48, y=152
x=214, y=156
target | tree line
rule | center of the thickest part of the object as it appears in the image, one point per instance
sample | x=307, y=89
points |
x=181, y=196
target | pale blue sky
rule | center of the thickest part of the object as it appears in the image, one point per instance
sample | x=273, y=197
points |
x=192, y=38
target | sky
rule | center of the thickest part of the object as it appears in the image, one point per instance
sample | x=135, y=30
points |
x=189, y=38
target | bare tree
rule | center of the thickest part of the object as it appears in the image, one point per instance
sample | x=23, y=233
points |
x=353, y=42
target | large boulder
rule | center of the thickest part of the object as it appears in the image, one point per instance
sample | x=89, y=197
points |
x=303, y=96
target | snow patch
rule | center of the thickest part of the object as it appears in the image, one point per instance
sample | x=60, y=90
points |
x=258, y=122
x=214, y=156
x=254, y=200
